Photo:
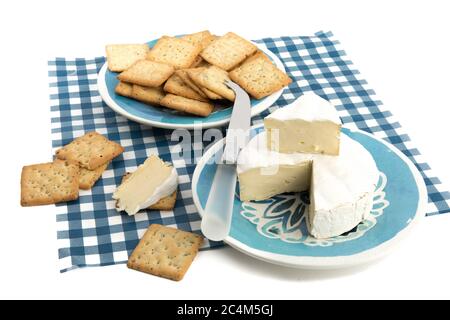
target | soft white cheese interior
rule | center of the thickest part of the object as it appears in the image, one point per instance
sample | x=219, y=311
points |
x=310, y=124
x=152, y=181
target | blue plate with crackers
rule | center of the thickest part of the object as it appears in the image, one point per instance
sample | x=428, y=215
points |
x=145, y=70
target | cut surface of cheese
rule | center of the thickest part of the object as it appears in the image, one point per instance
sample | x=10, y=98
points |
x=310, y=124
x=152, y=181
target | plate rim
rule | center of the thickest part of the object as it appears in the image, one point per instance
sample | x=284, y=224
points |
x=324, y=263
x=264, y=105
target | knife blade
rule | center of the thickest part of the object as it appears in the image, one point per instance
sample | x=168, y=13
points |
x=216, y=221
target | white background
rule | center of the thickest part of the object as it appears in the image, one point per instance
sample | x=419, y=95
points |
x=401, y=47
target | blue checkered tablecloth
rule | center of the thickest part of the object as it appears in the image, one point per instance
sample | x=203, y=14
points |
x=92, y=233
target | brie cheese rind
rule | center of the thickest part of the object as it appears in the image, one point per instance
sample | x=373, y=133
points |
x=341, y=193
x=152, y=181
x=341, y=187
x=310, y=124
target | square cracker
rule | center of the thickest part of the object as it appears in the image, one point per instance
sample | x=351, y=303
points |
x=202, y=38
x=89, y=177
x=200, y=62
x=228, y=51
x=147, y=73
x=124, y=89
x=91, y=150
x=167, y=203
x=259, y=77
x=177, y=86
x=197, y=62
x=147, y=94
x=211, y=95
x=192, y=74
x=122, y=56
x=47, y=183
x=186, y=105
x=165, y=252
x=213, y=79
x=183, y=74
x=175, y=52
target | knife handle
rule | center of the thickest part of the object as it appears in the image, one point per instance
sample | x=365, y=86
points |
x=216, y=221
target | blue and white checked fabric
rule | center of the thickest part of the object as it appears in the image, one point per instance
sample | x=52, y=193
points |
x=92, y=233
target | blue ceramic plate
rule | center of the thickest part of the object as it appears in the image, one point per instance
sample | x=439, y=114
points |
x=274, y=230
x=169, y=119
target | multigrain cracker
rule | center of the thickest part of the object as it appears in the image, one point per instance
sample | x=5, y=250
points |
x=147, y=73
x=211, y=95
x=91, y=150
x=183, y=74
x=186, y=105
x=147, y=94
x=124, y=89
x=203, y=63
x=167, y=203
x=213, y=79
x=197, y=62
x=192, y=74
x=47, y=183
x=228, y=51
x=175, y=52
x=259, y=77
x=165, y=252
x=202, y=38
x=257, y=55
x=177, y=86
x=122, y=56
x=89, y=177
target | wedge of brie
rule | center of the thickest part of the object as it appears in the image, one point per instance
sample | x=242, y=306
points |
x=310, y=124
x=152, y=181
x=341, y=187
x=341, y=192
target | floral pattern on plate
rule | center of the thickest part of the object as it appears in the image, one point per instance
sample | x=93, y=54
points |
x=284, y=217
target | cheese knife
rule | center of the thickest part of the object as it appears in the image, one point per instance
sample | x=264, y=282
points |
x=216, y=221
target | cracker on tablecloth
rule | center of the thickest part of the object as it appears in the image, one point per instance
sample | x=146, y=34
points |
x=91, y=150
x=89, y=177
x=165, y=252
x=47, y=183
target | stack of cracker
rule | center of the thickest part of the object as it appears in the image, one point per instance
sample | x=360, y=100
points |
x=78, y=165
x=188, y=73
